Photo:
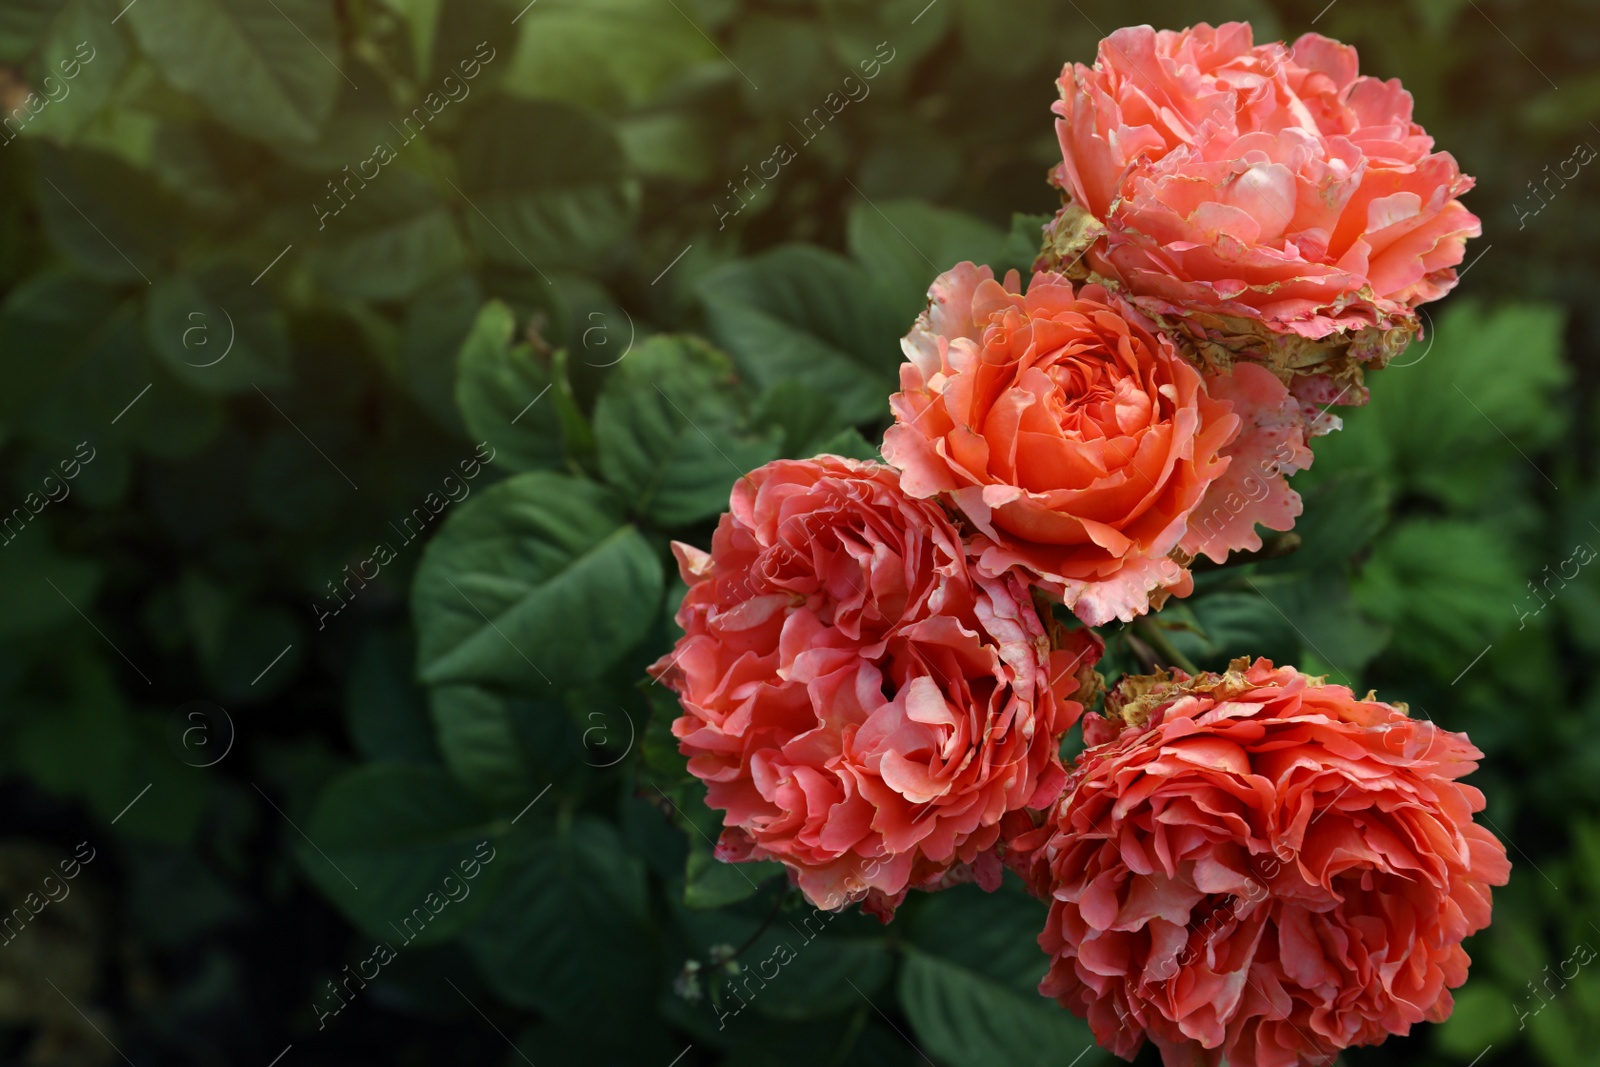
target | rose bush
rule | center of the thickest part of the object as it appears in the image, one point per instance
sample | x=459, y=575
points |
x=1259, y=866
x=862, y=703
x=1267, y=200
x=1254, y=864
x=487, y=690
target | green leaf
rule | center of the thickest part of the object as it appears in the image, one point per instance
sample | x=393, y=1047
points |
x=1241, y=624
x=394, y=237
x=788, y=54
x=1551, y=113
x=712, y=883
x=565, y=933
x=217, y=332
x=577, y=435
x=80, y=745
x=994, y=935
x=1579, y=603
x=293, y=487
x=1562, y=1031
x=851, y=445
x=422, y=19
x=969, y=985
x=72, y=356
x=894, y=33
x=269, y=71
x=603, y=720
x=910, y=156
x=500, y=389
x=672, y=431
x=1342, y=516
x=536, y=582
x=382, y=842
x=810, y=423
x=612, y=54
x=111, y=220
x=479, y=741
x=22, y=24
x=1004, y=39
x=806, y=964
x=1484, y=1015
x=172, y=423
x=818, y=980
x=1319, y=609
x=387, y=713
x=578, y=315
x=806, y=417
x=298, y=770
x=83, y=59
x=85, y=743
x=29, y=565
x=473, y=41
x=665, y=770
x=906, y=244
x=669, y=144
x=1022, y=245
x=1446, y=586
x=255, y=636
x=351, y=144
x=1451, y=417
x=437, y=323
x=708, y=883
x=171, y=812
x=559, y=199
x=801, y=314
x=175, y=897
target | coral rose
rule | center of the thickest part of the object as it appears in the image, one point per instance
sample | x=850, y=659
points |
x=1069, y=433
x=1254, y=489
x=862, y=704
x=1260, y=866
x=1267, y=200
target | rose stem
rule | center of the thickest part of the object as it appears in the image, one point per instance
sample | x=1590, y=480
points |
x=1157, y=638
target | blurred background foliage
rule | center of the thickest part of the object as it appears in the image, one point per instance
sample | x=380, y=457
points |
x=509, y=296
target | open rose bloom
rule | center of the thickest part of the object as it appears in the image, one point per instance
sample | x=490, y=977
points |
x=1079, y=444
x=1269, y=202
x=860, y=701
x=1260, y=866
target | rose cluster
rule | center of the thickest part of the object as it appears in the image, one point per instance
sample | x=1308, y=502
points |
x=873, y=677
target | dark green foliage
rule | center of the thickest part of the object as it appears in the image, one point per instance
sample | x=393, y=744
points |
x=374, y=352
